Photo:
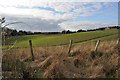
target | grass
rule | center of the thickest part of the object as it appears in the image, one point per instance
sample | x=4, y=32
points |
x=54, y=62
x=49, y=40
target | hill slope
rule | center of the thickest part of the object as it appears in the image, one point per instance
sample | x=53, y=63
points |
x=45, y=40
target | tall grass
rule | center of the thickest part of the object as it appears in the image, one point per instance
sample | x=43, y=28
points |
x=54, y=62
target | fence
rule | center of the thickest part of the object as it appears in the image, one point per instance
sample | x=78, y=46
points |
x=33, y=58
x=70, y=46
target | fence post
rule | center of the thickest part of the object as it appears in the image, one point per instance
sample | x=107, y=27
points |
x=70, y=45
x=118, y=41
x=31, y=49
x=118, y=45
x=97, y=44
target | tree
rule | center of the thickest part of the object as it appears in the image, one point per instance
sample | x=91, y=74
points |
x=2, y=20
x=68, y=31
x=79, y=30
x=64, y=32
x=14, y=33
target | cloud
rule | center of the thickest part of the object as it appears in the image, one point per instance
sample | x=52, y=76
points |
x=73, y=26
x=61, y=10
x=32, y=24
x=48, y=16
x=31, y=12
x=31, y=3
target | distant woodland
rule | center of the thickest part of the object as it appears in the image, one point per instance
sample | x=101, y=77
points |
x=14, y=32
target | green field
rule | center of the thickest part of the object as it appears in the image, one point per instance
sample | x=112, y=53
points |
x=60, y=39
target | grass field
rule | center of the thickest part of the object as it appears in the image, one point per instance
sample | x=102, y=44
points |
x=55, y=62
x=60, y=39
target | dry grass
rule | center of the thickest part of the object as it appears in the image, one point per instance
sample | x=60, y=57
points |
x=82, y=62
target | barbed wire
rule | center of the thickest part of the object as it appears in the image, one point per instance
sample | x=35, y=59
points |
x=12, y=46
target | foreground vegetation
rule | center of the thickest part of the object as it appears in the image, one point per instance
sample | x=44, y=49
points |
x=55, y=62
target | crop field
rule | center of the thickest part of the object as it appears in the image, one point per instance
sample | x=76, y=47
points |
x=61, y=39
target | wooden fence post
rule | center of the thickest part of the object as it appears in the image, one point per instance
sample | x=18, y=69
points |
x=118, y=45
x=70, y=45
x=31, y=49
x=118, y=41
x=97, y=44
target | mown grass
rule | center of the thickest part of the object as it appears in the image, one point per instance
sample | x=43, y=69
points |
x=61, y=39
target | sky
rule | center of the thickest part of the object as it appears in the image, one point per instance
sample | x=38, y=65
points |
x=52, y=16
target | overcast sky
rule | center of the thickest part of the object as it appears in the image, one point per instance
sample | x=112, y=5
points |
x=58, y=16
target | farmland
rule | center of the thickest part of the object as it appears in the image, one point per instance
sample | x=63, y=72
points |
x=55, y=61
x=61, y=39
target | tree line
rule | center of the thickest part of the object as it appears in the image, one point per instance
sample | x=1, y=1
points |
x=14, y=32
